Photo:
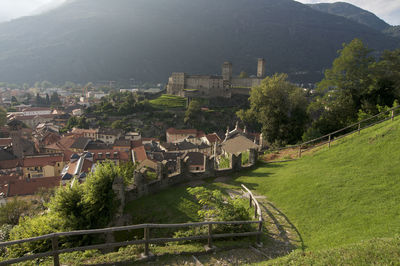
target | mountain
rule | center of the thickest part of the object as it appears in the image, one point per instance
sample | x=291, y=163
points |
x=353, y=13
x=92, y=40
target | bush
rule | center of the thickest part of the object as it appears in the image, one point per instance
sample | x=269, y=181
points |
x=215, y=207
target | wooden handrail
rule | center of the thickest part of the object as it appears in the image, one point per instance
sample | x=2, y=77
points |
x=147, y=239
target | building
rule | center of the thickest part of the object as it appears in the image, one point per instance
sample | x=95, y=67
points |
x=209, y=86
x=46, y=165
x=34, y=111
x=178, y=135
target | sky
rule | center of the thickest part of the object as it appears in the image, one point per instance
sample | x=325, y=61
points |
x=388, y=10
x=10, y=9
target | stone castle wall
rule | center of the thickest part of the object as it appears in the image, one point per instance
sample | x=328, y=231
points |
x=183, y=174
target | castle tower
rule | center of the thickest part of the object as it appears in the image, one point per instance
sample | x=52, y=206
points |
x=261, y=68
x=227, y=71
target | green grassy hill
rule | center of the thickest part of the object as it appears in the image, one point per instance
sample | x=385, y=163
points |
x=339, y=196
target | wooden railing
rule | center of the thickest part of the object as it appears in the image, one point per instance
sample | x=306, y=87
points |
x=341, y=133
x=145, y=241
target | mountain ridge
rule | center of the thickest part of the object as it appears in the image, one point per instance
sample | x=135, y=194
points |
x=90, y=40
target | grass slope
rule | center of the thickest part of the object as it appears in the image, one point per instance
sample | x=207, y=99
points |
x=168, y=101
x=339, y=196
x=372, y=252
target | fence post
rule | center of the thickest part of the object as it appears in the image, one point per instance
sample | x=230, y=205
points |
x=359, y=128
x=250, y=201
x=146, y=243
x=300, y=151
x=54, y=244
x=210, y=236
x=329, y=143
x=259, y=235
x=255, y=211
x=392, y=115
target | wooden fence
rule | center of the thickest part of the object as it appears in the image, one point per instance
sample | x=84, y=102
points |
x=341, y=133
x=145, y=241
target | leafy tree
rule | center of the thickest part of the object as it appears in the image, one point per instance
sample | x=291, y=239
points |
x=280, y=107
x=55, y=100
x=356, y=82
x=3, y=116
x=12, y=211
x=193, y=112
x=14, y=100
x=46, y=84
x=216, y=207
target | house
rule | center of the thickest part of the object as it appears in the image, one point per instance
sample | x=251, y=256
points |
x=45, y=165
x=133, y=136
x=33, y=120
x=79, y=167
x=107, y=135
x=27, y=187
x=139, y=154
x=178, y=135
x=211, y=139
x=237, y=141
x=36, y=111
x=195, y=160
x=62, y=146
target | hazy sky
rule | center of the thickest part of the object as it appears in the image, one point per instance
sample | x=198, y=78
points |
x=388, y=10
x=10, y=9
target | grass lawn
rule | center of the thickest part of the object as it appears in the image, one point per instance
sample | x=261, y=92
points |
x=338, y=196
x=169, y=101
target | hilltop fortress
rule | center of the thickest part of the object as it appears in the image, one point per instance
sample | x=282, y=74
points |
x=209, y=86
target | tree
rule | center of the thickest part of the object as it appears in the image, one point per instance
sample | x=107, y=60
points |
x=357, y=82
x=345, y=86
x=14, y=100
x=3, y=116
x=280, y=107
x=12, y=211
x=46, y=84
x=54, y=99
x=192, y=112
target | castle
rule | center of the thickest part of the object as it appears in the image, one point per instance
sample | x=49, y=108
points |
x=209, y=86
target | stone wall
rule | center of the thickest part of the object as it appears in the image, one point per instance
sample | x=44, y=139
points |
x=183, y=174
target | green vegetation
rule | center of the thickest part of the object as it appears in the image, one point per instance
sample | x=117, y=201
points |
x=168, y=101
x=81, y=206
x=280, y=107
x=338, y=196
x=372, y=252
x=224, y=162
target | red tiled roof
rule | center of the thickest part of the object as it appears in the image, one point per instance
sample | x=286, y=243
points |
x=30, y=187
x=140, y=154
x=212, y=138
x=5, y=141
x=136, y=143
x=181, y=131
x=10, y=164
x=63, y=144
x=4, y=179
x=42, y=160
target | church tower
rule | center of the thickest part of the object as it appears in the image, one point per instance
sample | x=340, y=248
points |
x=227, y=71
x=261, y=68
